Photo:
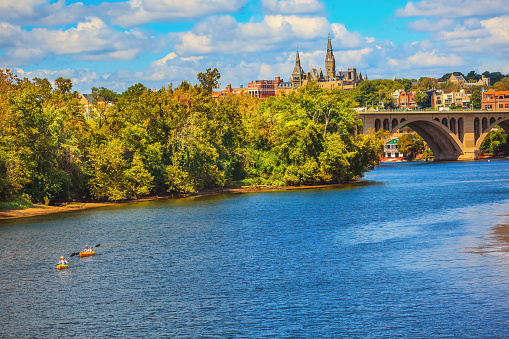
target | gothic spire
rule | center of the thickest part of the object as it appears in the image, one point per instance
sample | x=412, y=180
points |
x=298, y=68
x=329, y=46
x=330, y=61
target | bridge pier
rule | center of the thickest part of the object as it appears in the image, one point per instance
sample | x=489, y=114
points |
x=469, y=151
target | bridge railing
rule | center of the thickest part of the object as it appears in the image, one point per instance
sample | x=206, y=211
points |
x=432, y=110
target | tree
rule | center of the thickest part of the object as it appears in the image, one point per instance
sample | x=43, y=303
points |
x=494, y=77
x=472, y=75
x=101, y=100
x=117, y=172
x=445, y=77
x=427, y=154
x=422, y=99
x=410, y=144
x=426, y=83
x=476, y=96
x=496, y=142
x=502, y=85
x=209, y=79
x=64, y=85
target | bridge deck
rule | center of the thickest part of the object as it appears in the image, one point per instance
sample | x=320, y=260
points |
x=406, y=112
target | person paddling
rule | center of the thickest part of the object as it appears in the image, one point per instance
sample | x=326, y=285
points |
x=87, y=249
x=62, y=261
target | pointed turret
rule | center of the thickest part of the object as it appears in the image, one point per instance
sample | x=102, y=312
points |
x=297, y=68
x=298, y=73
x=330, y=61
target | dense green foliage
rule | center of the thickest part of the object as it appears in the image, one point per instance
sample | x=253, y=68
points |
x=496, y=142
x=410, y=144
x=14, y=205
x=143, y=141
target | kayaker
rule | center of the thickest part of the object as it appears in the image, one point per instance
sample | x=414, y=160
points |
x=62, y=261
x=87, y=249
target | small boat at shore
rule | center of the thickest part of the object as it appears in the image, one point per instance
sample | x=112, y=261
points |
x=61, y=267
x=86, y=254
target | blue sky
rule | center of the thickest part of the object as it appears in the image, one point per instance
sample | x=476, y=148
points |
x=116, y=44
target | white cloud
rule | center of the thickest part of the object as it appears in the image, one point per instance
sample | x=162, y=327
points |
x=225, y=35
x=17, y=9
x=137, y=12
x=44, y=12
x=21, y=56
x=454, y=8
x=425, y=25
x=127, y=54
x=163, y=61
x=9, y=34
x=346, y=38
x=492, y=38
x=498, y=28
x=461, y=33
x=428, y=59
x=293, y=6
x=193, y=59
x=89, y=40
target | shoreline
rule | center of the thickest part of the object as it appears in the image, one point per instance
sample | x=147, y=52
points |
x=39, y=210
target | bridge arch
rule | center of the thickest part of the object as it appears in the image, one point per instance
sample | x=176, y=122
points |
x=477, y=132
x=386, y=125
x=504, y=124
x=461, y=129
x=444, y=144
x=484, y=124
x=452, y=125
x=378, y=125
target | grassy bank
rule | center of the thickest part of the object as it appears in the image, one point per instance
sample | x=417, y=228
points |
x=14, y=205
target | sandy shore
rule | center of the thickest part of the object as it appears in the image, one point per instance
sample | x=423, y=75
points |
x=38, y=210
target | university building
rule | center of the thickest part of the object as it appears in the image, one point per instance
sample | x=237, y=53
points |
x=331, y=79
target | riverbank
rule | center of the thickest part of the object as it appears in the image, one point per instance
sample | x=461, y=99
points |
x=38, y=210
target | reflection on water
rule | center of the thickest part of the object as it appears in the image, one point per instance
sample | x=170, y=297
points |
x=415, y=250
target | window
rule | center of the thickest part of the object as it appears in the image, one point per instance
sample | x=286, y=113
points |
x=506, y=105
x=500, y=106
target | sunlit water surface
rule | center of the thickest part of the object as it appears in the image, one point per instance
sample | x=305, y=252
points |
x=415, y=250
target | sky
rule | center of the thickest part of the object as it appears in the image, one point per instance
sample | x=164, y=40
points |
x=116, y=44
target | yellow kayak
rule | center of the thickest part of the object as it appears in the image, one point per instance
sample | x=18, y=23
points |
x=86, y=254
x=61, y=267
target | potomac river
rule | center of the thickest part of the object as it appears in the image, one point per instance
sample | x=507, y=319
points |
x=417, y=250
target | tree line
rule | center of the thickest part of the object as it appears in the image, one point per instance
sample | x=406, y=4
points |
x=379, y=93
x=174, y=139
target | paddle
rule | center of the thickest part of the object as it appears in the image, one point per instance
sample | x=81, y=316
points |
x=77, y=253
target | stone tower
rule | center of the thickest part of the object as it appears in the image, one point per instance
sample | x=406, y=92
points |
x=298, y=73
x=330, y=62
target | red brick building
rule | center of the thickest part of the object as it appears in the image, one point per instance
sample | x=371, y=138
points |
x=229, y=90
x=263, y=88
x=495, y=100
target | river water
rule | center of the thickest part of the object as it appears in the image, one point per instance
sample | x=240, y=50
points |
x=415, y=250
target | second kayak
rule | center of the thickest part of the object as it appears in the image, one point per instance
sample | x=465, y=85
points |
x=86, y=254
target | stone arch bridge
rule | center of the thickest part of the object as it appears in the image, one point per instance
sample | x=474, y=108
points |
x=451, y=135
